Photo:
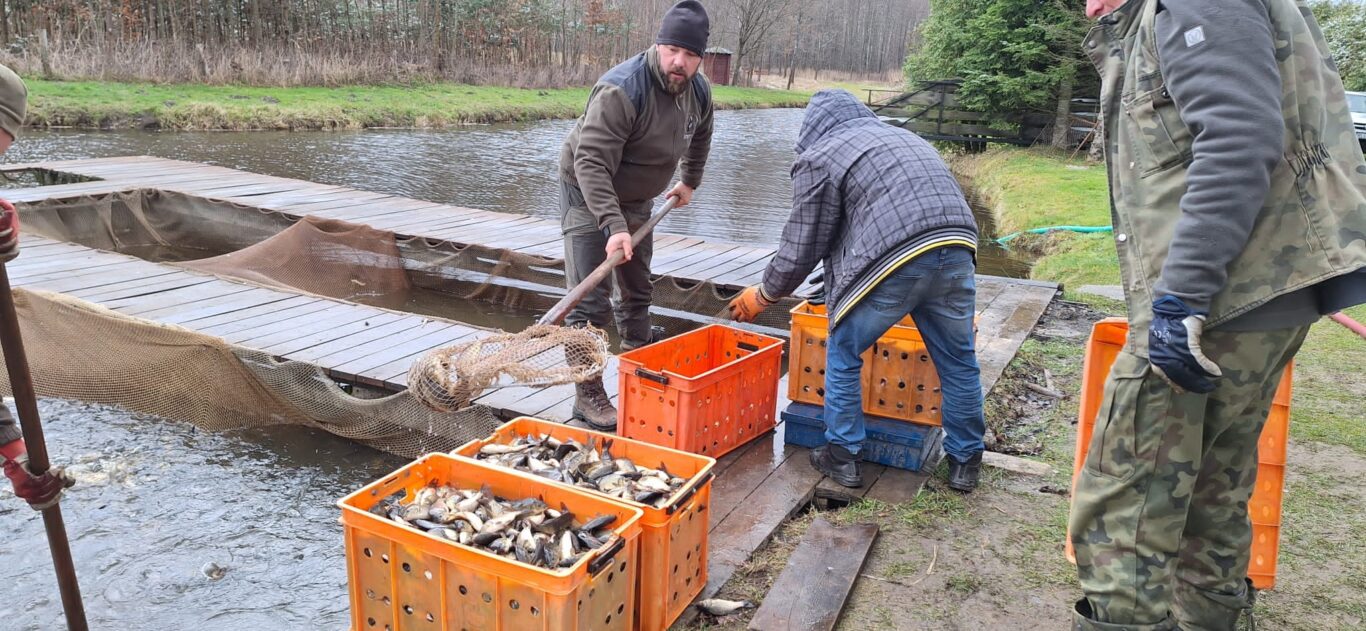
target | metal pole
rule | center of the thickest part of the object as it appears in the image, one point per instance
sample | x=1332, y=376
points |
x=26, y=401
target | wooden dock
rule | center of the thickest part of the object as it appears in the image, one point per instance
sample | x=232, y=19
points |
x=757, y=487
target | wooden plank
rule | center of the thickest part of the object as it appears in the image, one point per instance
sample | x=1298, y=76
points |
x=139, y=286
x=224, y=324
x=75, y=279
x=358, y=368
x=255, y=297
x=897, y=486
x=711, y=269
x=274, y=309
x=831, y=490
x=749, y=472
x=296, y=318
x=810, y=592
x=394, y=329
x=359, y=201
x=346, y=208
x=360, y=351
x=182, y=297
x=370, y=318
x=1015, y=464
x=1005, y=341
x=752, y=522
x=708, y=252
x=339, y=317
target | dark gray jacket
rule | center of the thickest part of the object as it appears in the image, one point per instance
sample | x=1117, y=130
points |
x=632, y=137
x=866, y=199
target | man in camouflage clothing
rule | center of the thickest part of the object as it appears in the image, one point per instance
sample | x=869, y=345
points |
x=1237, y=201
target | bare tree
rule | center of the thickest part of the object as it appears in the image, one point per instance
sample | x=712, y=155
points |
x=754, y=19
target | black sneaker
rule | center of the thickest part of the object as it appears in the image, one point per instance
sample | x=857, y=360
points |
x=963, y=475
x=838, y=464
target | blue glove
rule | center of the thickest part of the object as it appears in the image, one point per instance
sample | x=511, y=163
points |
x=1174, y=347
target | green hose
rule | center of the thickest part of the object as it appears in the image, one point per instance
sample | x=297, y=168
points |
x=1081, y=229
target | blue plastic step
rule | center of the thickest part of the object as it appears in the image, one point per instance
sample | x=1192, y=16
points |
x=890, y=442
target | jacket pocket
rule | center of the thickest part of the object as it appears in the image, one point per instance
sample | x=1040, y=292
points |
x=1163, y=138
x=1114, y=451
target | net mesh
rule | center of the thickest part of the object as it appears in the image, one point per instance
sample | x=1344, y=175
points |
x=179, y=373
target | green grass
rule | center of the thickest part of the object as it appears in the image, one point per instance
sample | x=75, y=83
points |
x=1330, y=385
x=1039, y=188
x=208, y=107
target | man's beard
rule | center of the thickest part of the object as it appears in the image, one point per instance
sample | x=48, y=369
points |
x=674, y=85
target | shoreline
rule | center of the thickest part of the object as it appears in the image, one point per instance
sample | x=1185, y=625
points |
x=101, y=105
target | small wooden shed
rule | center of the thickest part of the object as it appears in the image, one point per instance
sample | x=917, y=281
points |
x=716, y=65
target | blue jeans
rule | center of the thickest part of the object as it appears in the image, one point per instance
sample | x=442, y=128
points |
x=938, y=290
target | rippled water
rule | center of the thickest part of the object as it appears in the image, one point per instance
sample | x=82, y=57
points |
x=506, y=168
x=156, y=500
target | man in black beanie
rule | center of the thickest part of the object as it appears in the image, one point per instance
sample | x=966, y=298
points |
x=645, y=118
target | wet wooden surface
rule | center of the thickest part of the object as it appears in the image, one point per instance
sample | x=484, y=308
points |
x=809, y=593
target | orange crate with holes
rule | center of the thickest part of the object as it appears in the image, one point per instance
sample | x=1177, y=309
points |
x=403, y=580
x=673, y=539
x=899, y=379
x=1264, y=508
x=705, y=392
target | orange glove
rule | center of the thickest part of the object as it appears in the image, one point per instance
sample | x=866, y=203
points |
x=749, y=304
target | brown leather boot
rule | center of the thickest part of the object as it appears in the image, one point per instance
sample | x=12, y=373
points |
x=592, y=405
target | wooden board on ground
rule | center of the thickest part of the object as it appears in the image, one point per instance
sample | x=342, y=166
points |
x=810, y=592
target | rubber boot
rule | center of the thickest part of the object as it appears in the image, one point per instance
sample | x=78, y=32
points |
x=1198, y=609
x=963, y=476
x=592, y=406
x=839, y=464
x=1083, y=620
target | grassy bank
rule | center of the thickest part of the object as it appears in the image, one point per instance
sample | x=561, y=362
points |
x=1038, y=189
x=106, y=105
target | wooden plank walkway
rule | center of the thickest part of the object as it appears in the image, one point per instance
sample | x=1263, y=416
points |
x=351, y=342
x=691, y=259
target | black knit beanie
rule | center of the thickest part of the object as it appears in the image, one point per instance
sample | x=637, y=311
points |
x=686, y=26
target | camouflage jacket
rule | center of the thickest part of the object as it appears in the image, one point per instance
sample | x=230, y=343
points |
x=1298, y=213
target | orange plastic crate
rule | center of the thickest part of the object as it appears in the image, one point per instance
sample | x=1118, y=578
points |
x=402, y=579
x=705, y=392
x=899, y=379
x=1264, y=507
x=673, y=540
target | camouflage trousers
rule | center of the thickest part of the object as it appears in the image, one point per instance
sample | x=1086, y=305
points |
x=1159, y=512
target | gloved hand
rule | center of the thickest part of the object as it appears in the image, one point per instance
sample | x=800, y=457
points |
x=749, y=304
x=816, y=295
x=9, y=231
x=40, y=491
x=1174, y=347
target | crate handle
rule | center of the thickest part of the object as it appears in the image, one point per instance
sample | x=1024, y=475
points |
x=746, y=346
x=662, y=380
x=692, y=490
x=604, y=558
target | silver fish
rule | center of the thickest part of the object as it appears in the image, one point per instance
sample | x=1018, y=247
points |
x=719, y=607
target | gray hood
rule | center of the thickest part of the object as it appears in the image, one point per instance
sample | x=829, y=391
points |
x=829, y=109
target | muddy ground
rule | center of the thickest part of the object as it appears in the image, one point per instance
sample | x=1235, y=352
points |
x=994, y=559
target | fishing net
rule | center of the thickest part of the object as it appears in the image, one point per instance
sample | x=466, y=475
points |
x=543, y=355
x=179, y=373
